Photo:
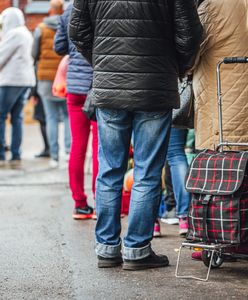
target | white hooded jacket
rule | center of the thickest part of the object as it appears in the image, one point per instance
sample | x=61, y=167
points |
x=16, y=62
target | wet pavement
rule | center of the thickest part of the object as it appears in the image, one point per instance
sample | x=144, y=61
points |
x=44, y=254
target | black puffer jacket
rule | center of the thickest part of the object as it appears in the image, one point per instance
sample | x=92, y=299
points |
x=137, y=49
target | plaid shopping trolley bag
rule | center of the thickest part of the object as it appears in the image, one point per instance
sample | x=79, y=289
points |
x=218, y=182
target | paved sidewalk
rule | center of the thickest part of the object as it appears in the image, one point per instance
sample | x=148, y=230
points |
x=44, y=254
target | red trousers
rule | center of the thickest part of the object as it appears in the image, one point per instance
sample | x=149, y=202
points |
x=80, y=129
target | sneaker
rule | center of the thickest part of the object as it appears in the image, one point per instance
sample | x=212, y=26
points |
x=82, y=213
x=15, y=162
x=43, y=154
x=2, y=163
x=183, y=226
x=170, y=217
x=197, y=255
x=94, y=216
x=109, y=262
x=53, y=163
x=156, y=230
x=151, y=261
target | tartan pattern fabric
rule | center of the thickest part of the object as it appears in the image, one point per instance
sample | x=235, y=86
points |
x=244, y=218
x=223, y=176
x=216, y=173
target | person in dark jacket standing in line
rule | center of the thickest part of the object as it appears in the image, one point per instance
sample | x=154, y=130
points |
x=39, y=115
x=78, y=82
x=138, y=49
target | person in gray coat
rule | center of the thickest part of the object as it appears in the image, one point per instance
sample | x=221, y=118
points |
x=16, y=77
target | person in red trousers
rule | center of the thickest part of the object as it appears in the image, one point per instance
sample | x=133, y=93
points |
x=79, y=78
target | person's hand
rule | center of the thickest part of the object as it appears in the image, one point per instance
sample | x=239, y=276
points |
x=34, y=100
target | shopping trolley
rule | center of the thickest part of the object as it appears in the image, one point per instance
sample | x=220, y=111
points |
x=218, y=245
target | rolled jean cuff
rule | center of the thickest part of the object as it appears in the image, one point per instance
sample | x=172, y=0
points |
x=108, y=251
x=137, y=253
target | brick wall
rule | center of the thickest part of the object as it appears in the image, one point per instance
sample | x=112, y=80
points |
x=4, y=4
x=7, y=3
x=32, y=20
x=22, y=3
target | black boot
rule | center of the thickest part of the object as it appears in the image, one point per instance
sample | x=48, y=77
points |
x=109, y=262
x=151, y=261
x=44, y=153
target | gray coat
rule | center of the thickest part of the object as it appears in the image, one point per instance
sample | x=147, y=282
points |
x=16, y=62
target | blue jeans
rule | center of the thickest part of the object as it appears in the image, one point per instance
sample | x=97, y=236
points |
x=151, y=134
x=177, y=161
x=12, y=100
x=55, y=110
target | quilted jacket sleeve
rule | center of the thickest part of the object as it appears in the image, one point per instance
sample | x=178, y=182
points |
x=210, y=25
x=80, y=29
x=61, y=44
x=188, y=33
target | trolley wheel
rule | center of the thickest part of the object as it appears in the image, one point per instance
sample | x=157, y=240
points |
x=217, y=261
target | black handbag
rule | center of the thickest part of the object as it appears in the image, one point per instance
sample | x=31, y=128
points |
x=183, y=117
x=89, y=108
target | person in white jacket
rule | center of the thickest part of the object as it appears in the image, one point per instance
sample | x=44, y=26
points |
x=16, y=77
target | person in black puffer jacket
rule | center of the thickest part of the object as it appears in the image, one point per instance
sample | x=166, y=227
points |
x=138, y=50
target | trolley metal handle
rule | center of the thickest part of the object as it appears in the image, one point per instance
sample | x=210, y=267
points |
x=226, y=60
x=235, y=60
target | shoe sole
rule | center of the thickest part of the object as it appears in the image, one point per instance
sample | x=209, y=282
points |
x=134, y=267
x=196, y=259
x=157, y=234
x=82, y=217
x=17, y=162
x=107, y=264
x=170, y=221
x=183, y=233
x=15, y=165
